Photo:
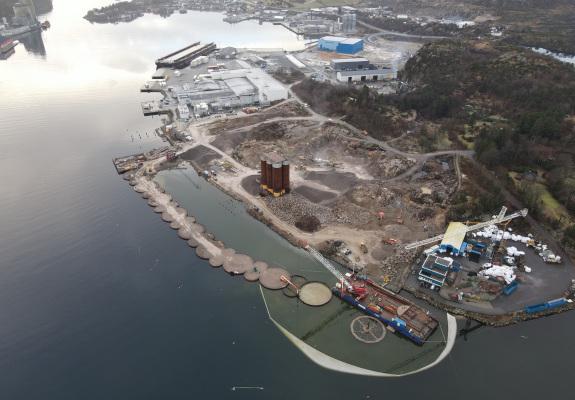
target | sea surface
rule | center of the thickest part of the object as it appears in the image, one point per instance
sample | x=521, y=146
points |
x=100, y=300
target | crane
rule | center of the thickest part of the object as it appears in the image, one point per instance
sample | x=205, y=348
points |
x=497, y=220
x=330, y=267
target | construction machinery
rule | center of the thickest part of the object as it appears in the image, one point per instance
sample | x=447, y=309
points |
x=389, y=241
x=497, y=220
x=329, y=266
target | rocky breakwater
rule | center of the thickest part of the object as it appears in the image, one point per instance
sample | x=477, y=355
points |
x=205, y=244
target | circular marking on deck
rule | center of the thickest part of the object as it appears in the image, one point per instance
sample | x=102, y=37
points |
x=167, y=217
x=298, y=281
x=198, y=228
x=315, y=294
x=216, y=261
x=175, y=225
x=367, y=329
x=160, y=209
x=202, y=252
x=270, y=278
x=184, y=233
x=238, y=264
x=193, y=243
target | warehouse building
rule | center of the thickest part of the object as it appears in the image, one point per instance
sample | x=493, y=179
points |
x=349, y=64
x=340, y=44
x=454, y=238
x=227, y=89
x=364, y=75
x=330, y=43
x=350, y=46
x=183, y=112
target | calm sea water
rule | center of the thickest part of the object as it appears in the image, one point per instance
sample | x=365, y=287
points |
x=100, y=300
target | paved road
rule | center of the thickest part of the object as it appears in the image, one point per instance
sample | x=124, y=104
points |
x=384, y=32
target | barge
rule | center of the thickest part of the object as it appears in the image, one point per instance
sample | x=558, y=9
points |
x=397, y=313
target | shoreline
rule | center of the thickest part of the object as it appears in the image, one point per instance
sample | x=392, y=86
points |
x=498, y=320
x=215, y=252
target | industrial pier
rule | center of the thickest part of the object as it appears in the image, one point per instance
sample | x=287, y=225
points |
x=183, y=57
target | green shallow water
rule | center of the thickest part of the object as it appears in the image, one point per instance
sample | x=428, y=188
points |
x=325, y=328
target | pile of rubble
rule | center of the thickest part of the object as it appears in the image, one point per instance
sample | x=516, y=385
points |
x=388, y=167
x=393, y=266
x=292, y=207
x=371, y=195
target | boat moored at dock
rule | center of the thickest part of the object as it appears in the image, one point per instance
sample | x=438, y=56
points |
x=397, y=313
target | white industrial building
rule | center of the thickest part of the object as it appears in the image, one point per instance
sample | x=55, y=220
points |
x=183, y=112
x=230, y=89
x=353, y=64
x=364, y=75
x=252, y=84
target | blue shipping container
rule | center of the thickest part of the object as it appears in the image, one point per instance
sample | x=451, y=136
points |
x=556, y=302
x=507, y=290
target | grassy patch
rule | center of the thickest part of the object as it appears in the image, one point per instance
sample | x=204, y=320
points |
x=550, y=207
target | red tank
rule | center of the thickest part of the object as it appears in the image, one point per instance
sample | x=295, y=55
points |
x=263, y=173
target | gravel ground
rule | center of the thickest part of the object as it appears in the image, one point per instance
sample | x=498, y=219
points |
x=200, y=156
x=340, y=181
x=314, y=195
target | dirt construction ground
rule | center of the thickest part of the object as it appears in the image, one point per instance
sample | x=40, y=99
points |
x=355, y=194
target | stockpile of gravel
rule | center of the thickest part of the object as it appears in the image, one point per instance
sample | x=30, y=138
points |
x=292, y=207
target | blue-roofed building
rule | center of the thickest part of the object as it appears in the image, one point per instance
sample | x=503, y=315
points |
x=330, y=43
x=350, y=46
x=434, y=270
x=340, y=44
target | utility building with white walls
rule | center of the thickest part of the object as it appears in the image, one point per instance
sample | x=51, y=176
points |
x=364, y=75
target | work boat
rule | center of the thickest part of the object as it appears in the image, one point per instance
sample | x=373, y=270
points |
x=397, y=313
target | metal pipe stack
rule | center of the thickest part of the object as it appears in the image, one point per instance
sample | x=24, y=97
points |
x=285, y=176
x=263, y=174
x=274, y=176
